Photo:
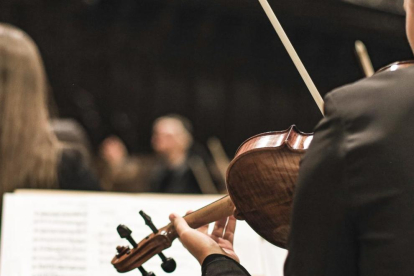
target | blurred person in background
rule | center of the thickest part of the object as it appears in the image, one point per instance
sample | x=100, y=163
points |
x=184, y=166
x=70, y=132
x=30, y=154
x=120, y=172
x=353, y=205
x=179, y=166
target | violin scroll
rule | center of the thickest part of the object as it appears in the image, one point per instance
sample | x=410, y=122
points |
x=128, y=259
x=168, y=264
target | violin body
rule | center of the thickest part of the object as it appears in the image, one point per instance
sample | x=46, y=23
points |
x=261, y=178
x=261, y=181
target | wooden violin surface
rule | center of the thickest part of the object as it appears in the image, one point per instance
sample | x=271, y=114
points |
x=396, y=66
x=261, y=181
x=128, y=259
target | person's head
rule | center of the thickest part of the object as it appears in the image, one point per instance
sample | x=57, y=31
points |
x=171, y=134
x=409, y=9
x=27, y=144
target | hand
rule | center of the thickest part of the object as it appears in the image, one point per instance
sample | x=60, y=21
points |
x=200, y=244
x=113, y=151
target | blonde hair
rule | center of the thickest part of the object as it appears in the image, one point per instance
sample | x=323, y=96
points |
x=29, y=150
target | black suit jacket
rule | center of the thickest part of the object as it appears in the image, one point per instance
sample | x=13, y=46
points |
x=353, y=211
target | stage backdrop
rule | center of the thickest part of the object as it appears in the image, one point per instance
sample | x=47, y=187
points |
x=116, y=65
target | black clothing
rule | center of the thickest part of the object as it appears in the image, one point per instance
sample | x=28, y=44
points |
x=182, y=179
x=69, y=131
x=74, y=174
x=217, y=264
x=353, y=211
x=179, y=180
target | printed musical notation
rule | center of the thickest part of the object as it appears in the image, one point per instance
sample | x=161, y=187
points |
x=74, y=234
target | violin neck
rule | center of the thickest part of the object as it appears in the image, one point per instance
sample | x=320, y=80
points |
x=217, y=210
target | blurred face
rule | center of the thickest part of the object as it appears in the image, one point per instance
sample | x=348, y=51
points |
x=169, y=135
x=409, y=9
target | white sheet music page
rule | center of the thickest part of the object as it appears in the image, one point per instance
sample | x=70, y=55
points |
x=74, y=234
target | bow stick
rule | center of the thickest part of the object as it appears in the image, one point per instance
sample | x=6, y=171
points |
x=364, y=59
x=293, y=55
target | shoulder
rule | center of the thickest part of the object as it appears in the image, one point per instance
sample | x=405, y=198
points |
x=70, y=131
x=375, y=94
x=72, y=161
x=73, y=157
x=74, y=172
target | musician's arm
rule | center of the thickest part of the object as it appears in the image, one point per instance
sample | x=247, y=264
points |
x=220, y=265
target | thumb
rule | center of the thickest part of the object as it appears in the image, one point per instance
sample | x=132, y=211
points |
x=179, y=223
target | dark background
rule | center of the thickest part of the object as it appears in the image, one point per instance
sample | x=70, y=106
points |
x=116, y=65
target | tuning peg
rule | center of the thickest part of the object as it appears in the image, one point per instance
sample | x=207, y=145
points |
x=125, y=233
x=122, y=250
x=145, y=273
x=168, y=264
x=148, y=221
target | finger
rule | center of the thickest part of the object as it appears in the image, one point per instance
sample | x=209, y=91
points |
x=230, y=229
x=203, y=229
x=225, y=244
x=179, y=223
x=219, y=228
x=198, y=244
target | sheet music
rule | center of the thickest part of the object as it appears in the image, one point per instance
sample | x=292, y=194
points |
x=74, y=234
x=273, y=259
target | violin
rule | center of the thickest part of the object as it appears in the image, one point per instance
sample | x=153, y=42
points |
x=396, y=66
x=260, y=182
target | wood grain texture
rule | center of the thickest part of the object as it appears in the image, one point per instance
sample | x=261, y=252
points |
x=261, y=181
x=147, y=248
x=217, y=210
x=153, y=244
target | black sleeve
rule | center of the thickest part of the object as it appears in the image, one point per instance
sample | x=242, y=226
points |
x=220, y=265
x=321, y=239
x=74, y=174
